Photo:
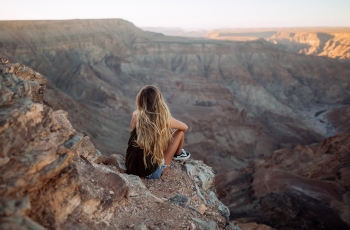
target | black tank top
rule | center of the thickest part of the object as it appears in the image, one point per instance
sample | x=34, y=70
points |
x=134, y=159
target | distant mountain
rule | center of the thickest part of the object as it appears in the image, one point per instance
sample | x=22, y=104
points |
x=177, y=32
x=329, y=42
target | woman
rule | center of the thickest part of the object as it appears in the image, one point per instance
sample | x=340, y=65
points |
x=152, y=144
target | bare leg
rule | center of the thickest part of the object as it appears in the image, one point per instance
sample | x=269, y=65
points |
x=174, y=147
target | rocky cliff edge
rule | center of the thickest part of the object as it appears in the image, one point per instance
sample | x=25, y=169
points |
x=52, y=177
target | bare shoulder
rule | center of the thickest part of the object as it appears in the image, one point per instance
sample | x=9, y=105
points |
x=135, y=113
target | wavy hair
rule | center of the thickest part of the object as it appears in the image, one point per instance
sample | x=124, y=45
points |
x=153, y=123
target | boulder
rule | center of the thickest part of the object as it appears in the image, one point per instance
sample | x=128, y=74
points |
x=203, y=174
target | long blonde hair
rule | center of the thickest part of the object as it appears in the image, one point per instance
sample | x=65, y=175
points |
x=153, y=123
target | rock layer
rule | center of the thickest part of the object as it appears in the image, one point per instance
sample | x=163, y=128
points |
x=328, y=42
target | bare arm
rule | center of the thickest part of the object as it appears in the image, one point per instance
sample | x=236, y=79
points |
x=176, y=124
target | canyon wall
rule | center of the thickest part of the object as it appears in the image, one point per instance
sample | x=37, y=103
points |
x=242, y=100
x=306, y=187
x=326, y=42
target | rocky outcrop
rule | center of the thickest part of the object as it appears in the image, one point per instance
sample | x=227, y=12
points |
x=52, y=177
x=307, y=187
x=30, y=132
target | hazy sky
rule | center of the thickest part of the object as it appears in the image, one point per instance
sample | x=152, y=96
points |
x=188, y=14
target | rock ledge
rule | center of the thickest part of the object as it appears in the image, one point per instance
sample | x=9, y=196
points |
x=52, y=177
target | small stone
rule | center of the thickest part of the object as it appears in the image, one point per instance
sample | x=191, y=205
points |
x=4, y=161
x=130, y=225
x=111, y=192
x=80, y=220
x=180, y=200
x=209, y=225
x=201, y=209
x=141, y=227
x=192, y=226
x=62, y=150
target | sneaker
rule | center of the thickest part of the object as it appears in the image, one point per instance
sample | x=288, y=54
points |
x=182, y=156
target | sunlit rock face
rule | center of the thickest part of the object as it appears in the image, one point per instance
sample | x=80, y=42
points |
x=241, y=100
x=324, y=42
x=334, y=44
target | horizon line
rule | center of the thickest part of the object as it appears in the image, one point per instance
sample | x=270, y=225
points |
x=182, y=28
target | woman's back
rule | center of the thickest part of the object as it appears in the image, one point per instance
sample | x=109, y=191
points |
x=135, y=158
x=151, y=142
x=153, y=123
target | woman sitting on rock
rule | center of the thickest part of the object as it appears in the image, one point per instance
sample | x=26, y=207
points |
x=153, y=144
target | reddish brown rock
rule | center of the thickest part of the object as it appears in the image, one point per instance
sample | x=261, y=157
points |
x=81, y=191
x=30, y=135
x=201, y=209
x=307, y=186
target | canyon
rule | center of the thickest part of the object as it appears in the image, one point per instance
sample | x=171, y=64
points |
x=243, y=102
x=318, y=41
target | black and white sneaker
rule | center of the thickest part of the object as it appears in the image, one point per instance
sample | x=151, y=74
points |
x=182, y=156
